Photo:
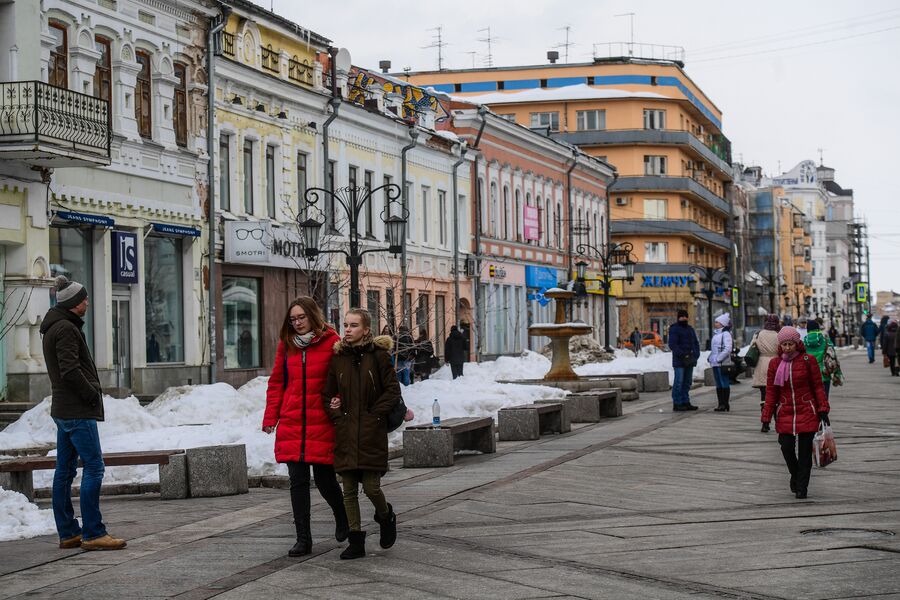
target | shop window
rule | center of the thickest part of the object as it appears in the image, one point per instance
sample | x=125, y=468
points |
x=58, y=71
x=72, y=256
x=179, y=115
x=242, y=329
x=164, y=299
x=142, y=96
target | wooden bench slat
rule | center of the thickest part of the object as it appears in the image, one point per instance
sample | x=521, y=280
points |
x=111, y=459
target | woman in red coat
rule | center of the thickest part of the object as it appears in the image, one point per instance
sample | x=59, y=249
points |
x=304, y=434
x=796, y=397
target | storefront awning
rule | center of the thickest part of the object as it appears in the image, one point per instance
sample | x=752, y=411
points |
x=76, y=218
x=175, y=230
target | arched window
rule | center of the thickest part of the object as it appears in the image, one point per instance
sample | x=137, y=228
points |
x=505, y=212
x=557, y=225
x=142, y=96
x=518, y=216
x=480, y=200
x=495, y=209
x=58, y=69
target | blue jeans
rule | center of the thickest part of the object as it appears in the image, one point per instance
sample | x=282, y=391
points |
x=721, y=376
x=405, y=372
x=681, y=387
x=870, y=348
x=78, y=438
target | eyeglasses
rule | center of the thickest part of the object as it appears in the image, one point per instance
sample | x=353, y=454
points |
x=242, y=234
x=297, y=319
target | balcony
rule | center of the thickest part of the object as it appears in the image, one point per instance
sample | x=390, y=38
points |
x=47, y=126
x=669, y=227
x=662, y=183
x=718, y=155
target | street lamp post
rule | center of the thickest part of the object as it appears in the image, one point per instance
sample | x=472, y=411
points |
x=352, y=200
x=708, y=277
x=609, y=255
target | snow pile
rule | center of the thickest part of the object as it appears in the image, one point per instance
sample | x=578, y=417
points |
x=583, y=349
x=20, y=519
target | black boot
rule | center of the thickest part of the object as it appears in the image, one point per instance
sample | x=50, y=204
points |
x=764, y=428
x=388, y=528
x=357, y=547
x=726, y=395
x=303, y=545
x=720, y=396
x=341, y=526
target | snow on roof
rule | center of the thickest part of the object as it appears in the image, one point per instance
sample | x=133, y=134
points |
x=448, y=135
x=581, y=91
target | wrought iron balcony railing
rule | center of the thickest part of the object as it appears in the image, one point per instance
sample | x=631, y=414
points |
x=43, y=118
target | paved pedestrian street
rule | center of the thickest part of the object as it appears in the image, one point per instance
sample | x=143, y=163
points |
x=655, y=504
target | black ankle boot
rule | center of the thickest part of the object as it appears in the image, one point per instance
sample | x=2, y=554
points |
x=726, y=395
x=341, y=526
x=303, y=545
x=357, y=547
x=388, y=528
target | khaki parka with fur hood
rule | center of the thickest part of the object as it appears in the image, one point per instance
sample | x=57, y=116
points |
x=365, y=381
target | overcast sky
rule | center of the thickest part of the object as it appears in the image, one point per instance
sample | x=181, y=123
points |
x=790, y=77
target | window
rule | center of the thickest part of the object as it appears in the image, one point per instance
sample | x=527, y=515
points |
x=58, y=69
x=655, y=252
x=591, y=119
x=269, y=58
x=301, y=185
x=442, y=217
x=426, y=197
x=142, y=96
x=330, y=217
x=654, y=165
x=248, y=177
x=505, y=213
x=655, y=209
x=832, y=277
x=545, y=119
x=72, y=255
x=495, y=210
x=224, y=173
x=270, y=181
x=389, y=308
x=558, y=225
x=373, y=305
x=440, y=320
x=516, y=213
x=103, y=71
x=179, y=115
x=411, y=204
x=422, y=312
x=654, y=119
x=370, y=210
x=352, y=173
x=509, y=117
x=387, y=207
x=407, y=308
x=242, y=327
x=164, y=299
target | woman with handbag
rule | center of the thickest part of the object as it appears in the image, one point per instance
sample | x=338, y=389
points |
x=304, y=435
x=766, y=343
x=359, y=395
x=720, y=359
x=796, y=398
x=889, y=347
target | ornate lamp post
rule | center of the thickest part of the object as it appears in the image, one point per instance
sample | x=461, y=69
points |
x=610, y=255
x=352, y=200
x=709, y=277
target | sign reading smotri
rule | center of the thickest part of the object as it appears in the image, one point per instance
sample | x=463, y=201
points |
x=259, y=243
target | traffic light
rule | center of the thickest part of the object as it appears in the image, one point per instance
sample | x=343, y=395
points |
x=492, y=270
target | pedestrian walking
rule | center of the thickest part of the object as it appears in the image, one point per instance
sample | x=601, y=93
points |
x=405, y=355
x=766, y=341
x=832, y=335
x=819, y=347
x=720, y=359
x=882, y=327
x=360, y=392
x=304, y=433
x=802, y=326
x=869, y=332
x=76, y=404
x=889, y=347
x=456, y=349
x=424, y=355
x=685, y=349
x=796, y=397
x=636, y=340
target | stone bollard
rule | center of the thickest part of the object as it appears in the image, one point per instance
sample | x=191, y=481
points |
x=217, y=471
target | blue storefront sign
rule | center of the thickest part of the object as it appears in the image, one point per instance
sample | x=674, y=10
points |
x=177, y=230
x=541, y=277
x=666, y=280
x=124, y=257
x=84, y=219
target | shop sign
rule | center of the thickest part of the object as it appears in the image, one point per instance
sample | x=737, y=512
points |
x=124, y=257
x=84, y=218
x=594, y=284
x=176, y=230
x=531, y=223
x=258, y=243
x=497, y=272
x=541, y=277
x=666, y=280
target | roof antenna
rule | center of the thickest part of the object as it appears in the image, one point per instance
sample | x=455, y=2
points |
x=567, y=44
x=630, y=16
x=821, y=162
x=489, y=58
x=439, y=43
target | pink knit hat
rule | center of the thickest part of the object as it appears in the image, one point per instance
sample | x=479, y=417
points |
x=788, y=334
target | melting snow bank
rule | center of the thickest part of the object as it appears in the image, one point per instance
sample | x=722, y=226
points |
x=20, y=519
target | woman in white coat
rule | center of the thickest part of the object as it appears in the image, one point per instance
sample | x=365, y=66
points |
x=766, y=341
x=720, y=358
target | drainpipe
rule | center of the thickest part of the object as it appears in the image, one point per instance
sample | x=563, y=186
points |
x=335, y=103
x=214, y=29
x=413, y=136
x=462, y=159
x=476, y=283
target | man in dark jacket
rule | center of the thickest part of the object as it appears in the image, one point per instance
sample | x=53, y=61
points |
x=685, y=349
x=456, y=349
x=869, y=332
x=636, y=340
x=76, y=406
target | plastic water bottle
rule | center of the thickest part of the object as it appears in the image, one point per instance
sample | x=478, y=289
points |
x=436, y=415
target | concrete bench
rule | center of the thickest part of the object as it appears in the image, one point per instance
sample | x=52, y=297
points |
x=530, y=421
x=425, y=446
x=609, y=402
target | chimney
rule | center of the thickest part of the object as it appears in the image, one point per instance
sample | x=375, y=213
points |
x=552, y=56
x=384, y=65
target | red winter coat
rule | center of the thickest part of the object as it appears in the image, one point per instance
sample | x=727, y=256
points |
x=797, y=404
x=305, y=432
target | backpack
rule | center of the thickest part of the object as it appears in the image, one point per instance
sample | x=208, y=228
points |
x=394, y=418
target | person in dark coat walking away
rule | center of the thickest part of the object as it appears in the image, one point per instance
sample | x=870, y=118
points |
x=424, y=355
x=882, y=327
x=796, y=398
x=720, y=360
x=456, y=349
x=304, y=434
x=832, y=335
x=76, y=404
x=685, y=349
x=889, y=346
x=636, y=340
x=869, y=332
x=405, y=354
x=360, y=393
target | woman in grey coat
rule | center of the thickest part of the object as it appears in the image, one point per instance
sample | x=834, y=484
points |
x=766, y=341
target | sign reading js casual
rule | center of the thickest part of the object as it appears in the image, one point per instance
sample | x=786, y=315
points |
x=258, y=243
x=124, y=257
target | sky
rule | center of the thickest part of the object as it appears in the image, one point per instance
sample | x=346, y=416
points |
x=791, y=78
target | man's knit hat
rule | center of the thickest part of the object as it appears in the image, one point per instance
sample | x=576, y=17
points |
x=813, y=325
x=788, y=334
x=69, y=294
x=682, y=313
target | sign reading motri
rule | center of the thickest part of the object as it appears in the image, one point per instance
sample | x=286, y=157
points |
x=666, y=280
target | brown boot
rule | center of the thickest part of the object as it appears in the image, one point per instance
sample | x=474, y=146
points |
x=69, y=543
x=106, y=542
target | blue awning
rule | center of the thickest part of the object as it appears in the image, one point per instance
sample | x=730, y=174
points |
x=176, y=230
x=77, y=218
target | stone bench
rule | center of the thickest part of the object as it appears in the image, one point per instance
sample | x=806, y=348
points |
x=590, y=406
x=530, y=421
x=609, y=402
x=425, y=446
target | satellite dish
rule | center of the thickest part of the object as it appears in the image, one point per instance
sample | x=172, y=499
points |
x=342, y=60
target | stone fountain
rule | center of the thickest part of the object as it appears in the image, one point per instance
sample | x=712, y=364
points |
x=560, y=332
